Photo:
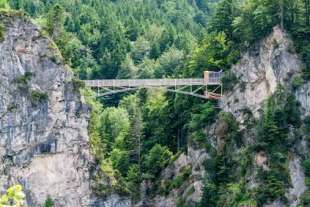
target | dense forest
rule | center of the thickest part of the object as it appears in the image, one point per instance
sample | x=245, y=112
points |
x=135, y=136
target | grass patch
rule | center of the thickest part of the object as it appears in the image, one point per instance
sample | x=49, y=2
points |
x=23, y=80
x=37, y=97
x=184, y=174
x=2, y=31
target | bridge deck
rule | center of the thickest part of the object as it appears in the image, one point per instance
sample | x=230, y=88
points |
x=151, y=82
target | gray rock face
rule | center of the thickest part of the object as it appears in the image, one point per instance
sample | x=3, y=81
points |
x=43, y=123
x=191, y=190
x=298, y=181
x=303, y=96
x=261, y=71
x=113, y=200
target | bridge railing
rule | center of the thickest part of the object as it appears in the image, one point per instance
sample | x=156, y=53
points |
x=148, y=82
x=210, y=78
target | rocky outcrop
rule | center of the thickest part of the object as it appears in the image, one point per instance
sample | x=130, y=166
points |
x=303, y=96
x=270, y=64
x=298, y=181
x=190, y=191
x=260, y=71
x=113, y=200
x=273, y=63
x=43, y=123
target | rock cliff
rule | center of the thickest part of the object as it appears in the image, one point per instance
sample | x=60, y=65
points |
x=260, y=71
x=269, y=64
x=43, y=123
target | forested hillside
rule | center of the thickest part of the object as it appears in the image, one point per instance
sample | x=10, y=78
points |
x=134, y=137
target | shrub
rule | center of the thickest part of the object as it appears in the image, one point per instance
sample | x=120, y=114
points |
x=209, y=196
x=133, y=181
x=1, y=33
x=275, y=44
x=22, y=81
x=37, y=97
x=306, y=165
x=229, y=80
x=305, y=199
x=14, y=196
x=120, y=160
x=184, y=174
x=203, y=117
x=307, y=124
x=77, y=84
x=272, y=186
x=48, y=202
x=292, y=111
x=158, y=158
x=297, y=81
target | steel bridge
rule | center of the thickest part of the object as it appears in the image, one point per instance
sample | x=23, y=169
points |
x=209, y=87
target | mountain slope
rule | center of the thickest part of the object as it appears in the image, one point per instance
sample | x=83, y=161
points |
x=235, y=137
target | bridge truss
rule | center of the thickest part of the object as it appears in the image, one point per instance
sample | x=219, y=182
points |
x=209, y=87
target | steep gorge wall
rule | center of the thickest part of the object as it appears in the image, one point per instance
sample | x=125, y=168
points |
x=271, y=63
x=43, y=123
x=261, y=71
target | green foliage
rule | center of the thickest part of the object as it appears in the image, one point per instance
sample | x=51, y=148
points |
x=281, y=112
x=306, y=165
x=77, y=84
x=307, y=125
x=156, y=112
x=305, y=199
x=297, y=82
x=133, y=141
x=133, y=181
x=102, y=34
x=23, y=80
x=2, y=30
x=120, y=160
x=235, y=194
x=37, y=97
x=14, y=197
x=177, y=181
x=114, y=127
x=203, y=117
x=55, y=21
x=278, y=118
x=272, y=186
x=96, y=145
x=4, y=4
x=200, y=118
x=48, y=202
x=229, y=80
x=213, y=54
x=158, y=158
x=210, y=195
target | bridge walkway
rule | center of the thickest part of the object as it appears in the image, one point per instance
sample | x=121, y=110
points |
x=195, y=85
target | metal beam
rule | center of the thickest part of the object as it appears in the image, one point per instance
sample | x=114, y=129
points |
x=149, y=82
x=124, y=85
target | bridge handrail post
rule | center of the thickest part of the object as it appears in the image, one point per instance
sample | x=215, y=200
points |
x=97, y=87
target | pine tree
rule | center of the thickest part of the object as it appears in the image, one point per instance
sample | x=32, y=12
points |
x=55, y=21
